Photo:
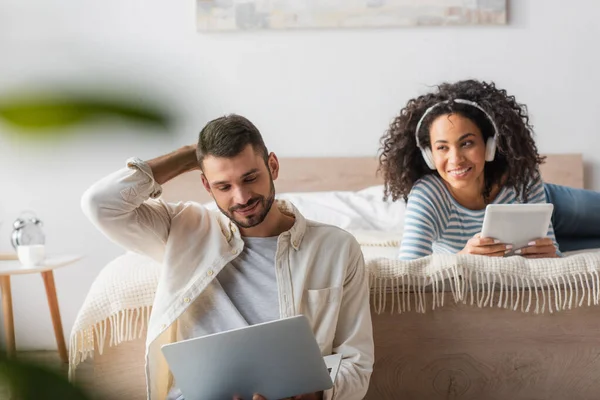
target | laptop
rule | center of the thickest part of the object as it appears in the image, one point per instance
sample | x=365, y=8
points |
x=276, y=359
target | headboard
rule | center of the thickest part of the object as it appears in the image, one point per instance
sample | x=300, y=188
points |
x=353, y=173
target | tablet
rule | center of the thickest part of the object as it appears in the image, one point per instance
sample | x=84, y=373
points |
x=277, y=359
x=517, y=224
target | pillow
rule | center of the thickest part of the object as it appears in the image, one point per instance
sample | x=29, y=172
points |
x=361, y=210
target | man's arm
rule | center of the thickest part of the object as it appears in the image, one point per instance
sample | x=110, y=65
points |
x=169, y=166
x=122, y=204
x=354, y=333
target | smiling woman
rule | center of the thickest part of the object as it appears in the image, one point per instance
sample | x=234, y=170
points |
x=458, y=151
x=469, y=144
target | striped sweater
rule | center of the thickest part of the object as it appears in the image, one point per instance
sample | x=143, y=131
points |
x=436, y=223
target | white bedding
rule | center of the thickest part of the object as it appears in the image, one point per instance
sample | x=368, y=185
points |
x=363, y=210
x=121, y=297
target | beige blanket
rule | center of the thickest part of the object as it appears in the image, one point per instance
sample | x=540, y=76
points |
x=121, y=297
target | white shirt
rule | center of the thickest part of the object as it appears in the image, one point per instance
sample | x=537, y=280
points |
x=319, y=268
x=249, y=281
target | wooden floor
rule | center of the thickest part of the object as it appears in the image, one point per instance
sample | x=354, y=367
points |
x=51, y=360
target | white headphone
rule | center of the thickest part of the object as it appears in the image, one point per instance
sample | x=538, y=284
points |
x=490, y=145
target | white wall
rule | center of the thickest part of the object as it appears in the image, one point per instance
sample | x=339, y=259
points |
x=328, y=92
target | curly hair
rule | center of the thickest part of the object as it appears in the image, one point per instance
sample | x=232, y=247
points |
x=517, y=159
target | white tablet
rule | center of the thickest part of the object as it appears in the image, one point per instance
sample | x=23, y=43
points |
x=517, y=224
x=277, y=359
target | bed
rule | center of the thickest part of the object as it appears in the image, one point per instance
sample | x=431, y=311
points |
x=435, y=338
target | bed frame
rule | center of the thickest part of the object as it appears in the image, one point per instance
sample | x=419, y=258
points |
x=455, y=352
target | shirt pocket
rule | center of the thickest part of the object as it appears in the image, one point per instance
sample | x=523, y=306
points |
x=321, y=308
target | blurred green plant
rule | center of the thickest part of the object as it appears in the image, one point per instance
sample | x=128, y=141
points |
x=34, y=115
x=38, y=113
x=29, y=381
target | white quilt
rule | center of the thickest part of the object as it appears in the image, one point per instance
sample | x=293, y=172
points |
x=121, y=296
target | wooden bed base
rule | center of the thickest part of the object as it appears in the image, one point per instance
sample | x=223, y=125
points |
x=455, y=352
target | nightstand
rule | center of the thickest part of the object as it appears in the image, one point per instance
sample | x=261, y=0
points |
x=10, y=265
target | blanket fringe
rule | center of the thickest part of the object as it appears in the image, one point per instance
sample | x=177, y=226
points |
x=512, y=283
x=485, y=289
x=125, y=325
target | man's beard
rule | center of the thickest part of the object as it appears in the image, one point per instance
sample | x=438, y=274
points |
x=254, y=219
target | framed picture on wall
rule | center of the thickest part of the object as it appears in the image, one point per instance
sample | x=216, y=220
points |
x=233, y=15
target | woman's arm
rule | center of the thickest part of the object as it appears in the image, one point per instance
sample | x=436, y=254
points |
x=420, y=226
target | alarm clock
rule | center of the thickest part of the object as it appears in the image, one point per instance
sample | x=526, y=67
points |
x=27, y=230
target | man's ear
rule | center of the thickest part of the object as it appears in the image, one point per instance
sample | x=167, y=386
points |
x=206, y=184
x=273, y=164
